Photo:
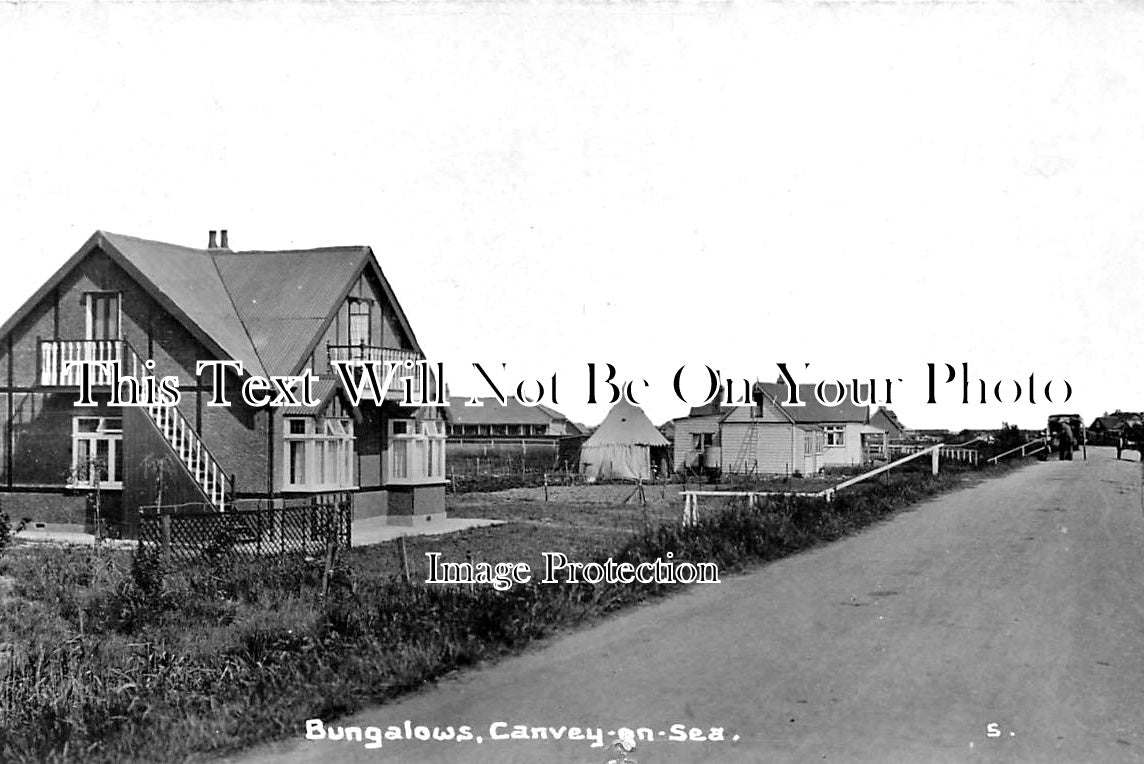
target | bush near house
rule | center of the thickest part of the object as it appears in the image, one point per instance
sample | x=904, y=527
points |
x=111, y=657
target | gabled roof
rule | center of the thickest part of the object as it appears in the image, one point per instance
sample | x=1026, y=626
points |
x=190, y=280
x=284, y=299
x=1117, y=421
x=814, y=412
x=626, y=424
x=268, y=309
x=890, y=417
x=492, y=412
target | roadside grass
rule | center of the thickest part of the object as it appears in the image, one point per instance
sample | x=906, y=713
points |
x=113, y=656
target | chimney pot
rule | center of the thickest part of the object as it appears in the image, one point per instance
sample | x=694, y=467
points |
x=211, y=243
x=222, y=236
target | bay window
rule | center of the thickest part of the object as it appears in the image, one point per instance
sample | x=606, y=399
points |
x=97, y=452
x=319, y=453
x=416, y=451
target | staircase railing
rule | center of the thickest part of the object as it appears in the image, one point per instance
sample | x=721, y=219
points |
x=185, y=442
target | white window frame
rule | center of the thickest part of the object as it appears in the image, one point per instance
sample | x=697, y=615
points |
x=105, y=431
x=89, y=323
x=834, y=435
x=328, y=451
x=351, y=313
x=415, y=453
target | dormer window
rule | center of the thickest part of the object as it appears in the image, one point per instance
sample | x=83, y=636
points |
x=359, y=326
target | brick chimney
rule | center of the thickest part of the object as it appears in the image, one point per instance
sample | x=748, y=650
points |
x=222, y=239
x=211, y=242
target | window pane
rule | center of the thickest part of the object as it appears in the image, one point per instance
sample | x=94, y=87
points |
x=297, y=463
x=359, y=328
x=82, y=457
x=102, y=459
x=400, y=459
x=297, y=426
x=117, y=461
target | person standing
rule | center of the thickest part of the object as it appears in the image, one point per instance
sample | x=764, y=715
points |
x=1066, y=442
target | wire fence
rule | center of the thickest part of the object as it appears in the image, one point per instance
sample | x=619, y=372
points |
x=312, y=526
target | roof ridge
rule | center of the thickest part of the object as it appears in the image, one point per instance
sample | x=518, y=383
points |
x=302, y=251
x=106, y=233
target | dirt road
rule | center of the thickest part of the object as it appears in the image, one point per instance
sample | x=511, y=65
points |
x=1018, y=603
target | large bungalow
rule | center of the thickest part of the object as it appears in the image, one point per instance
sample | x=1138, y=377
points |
x=159, y=309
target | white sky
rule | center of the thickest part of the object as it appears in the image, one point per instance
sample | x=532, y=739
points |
x=864, y=187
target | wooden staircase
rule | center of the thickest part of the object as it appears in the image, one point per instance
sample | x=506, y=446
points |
x=186, y=444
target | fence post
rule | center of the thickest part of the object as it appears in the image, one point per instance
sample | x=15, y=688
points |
x=331, y=545
x=404, y=557
x=165, y=534
x=934, y=458
x=348, y=513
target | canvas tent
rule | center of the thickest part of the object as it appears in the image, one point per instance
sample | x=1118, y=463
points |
x=621, y=445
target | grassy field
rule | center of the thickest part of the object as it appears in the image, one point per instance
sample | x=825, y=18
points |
x=109, y=656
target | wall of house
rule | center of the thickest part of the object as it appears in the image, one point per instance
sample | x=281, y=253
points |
x=153, y=474
x=683, y=455
x=414, y=505
x=53, y=508
x=237, y=437
x=777, y=448
x=848, y=454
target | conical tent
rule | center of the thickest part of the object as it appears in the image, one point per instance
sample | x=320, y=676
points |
x=620, y=447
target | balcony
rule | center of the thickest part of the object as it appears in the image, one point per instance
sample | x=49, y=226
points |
x=373, y=354
x=55, y=355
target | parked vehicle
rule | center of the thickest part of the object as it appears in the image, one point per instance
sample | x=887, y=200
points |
x=1130, y=438
x=1076, y=425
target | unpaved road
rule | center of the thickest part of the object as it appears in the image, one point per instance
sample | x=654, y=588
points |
x=1017, y=603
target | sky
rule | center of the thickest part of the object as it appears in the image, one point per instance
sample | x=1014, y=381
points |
x=863, y=187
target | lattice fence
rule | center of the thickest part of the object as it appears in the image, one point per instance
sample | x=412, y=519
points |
x=308, y=526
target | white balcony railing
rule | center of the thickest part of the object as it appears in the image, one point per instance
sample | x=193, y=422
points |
x=56, y=355
x=373, y=354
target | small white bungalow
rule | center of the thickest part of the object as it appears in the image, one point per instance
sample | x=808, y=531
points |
x=762, y=439
x=843, y=426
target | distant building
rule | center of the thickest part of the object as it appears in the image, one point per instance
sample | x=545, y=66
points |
x=771, y=438
x=494, y=438
x=1115, y=423
x=886, y=420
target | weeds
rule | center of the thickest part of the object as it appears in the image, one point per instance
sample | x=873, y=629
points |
x=119, y=657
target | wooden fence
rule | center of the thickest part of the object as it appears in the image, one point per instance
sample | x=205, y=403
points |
x=960, y=454
x=691, y=498
x=311, y=526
